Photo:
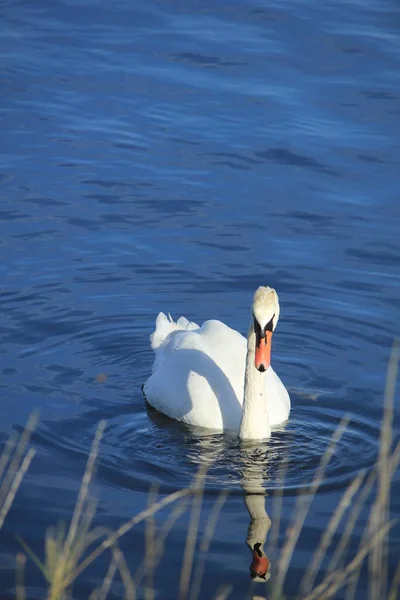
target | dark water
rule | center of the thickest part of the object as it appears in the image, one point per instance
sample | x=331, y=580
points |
x=174, y=156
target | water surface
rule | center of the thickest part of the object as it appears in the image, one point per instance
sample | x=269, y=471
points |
x=174, y=156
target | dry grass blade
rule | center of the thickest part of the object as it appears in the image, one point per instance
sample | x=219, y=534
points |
x=326, y=539
x=7, y=452
x=394, y=460
x=277, y=509
x=334, y=581
x=177, y=511
x=13, y=456
x=76, y=520
x=339, y=553
x=151, y=534
x=33, y=556
x=303, y=507
x=129, y=586
x=116, y=535
x=394, y=589
x=19, y=581
x=380, y=511
x=64, y=563
x=224, y=592
x=352, y=584
x=63, y=552
x=191, y=537
x=205, y=544
x=393, y=464
x=102, y=593
x=14, y=485
x=13, y=466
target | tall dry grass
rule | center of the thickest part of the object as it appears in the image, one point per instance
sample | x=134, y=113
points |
x=68, y=552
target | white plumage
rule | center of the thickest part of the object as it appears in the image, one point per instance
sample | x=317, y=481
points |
x=199, y=373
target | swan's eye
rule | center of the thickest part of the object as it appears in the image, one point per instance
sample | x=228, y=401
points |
x=269, y=326
x=257, y=330
x=261, y=333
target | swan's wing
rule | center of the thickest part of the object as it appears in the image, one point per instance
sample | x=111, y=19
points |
x=197, y=373
x=226, y=346
x=166, y=325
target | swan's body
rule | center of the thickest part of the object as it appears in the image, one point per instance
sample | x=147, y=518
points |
x=205, y=376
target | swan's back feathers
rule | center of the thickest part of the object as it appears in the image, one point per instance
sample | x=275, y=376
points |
x=166, y=325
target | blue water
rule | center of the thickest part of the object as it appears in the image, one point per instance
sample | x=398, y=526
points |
x=174, y=156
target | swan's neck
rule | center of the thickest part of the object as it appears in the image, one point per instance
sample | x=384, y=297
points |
x=260, y=522
x=255, y=421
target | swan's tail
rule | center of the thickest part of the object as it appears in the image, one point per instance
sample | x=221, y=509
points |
x=165, y=325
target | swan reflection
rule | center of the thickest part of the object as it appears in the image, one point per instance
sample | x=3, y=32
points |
x=254, y=461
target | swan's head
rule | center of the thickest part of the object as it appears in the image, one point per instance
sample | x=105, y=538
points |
x=266, y=314
x=260, y=566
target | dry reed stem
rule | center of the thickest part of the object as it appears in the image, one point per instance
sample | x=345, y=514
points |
x=385, y=463
x=7, y=452
x=19, y=576
x=386, y=466
x=150, y=534
x=177, y=511
x=277, y=510
x=14, y=485
x=60, y=563
x=329, y=586
x=160, y=541
x=303, y=506
x=191, y=536
x=15, y=456
x=395, y=584
x=127, y=580
x=308, y=580
x=113, y=537
x=62, y=553
x=339, y=553
x=83, y=491
x=13, y=466
x=224, y=592
x=352, y=584
x=380, y=509
x=205, y=544
x=394, y=463
x=102, y=593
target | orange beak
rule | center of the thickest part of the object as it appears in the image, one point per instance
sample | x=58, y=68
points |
x=263, y=352
x=259, y=566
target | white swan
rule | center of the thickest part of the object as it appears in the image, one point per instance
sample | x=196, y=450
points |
x=208, y=376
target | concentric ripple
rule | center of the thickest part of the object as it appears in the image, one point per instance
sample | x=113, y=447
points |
x=141, y=447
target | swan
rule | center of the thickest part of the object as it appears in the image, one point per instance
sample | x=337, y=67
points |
x=210, y=376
